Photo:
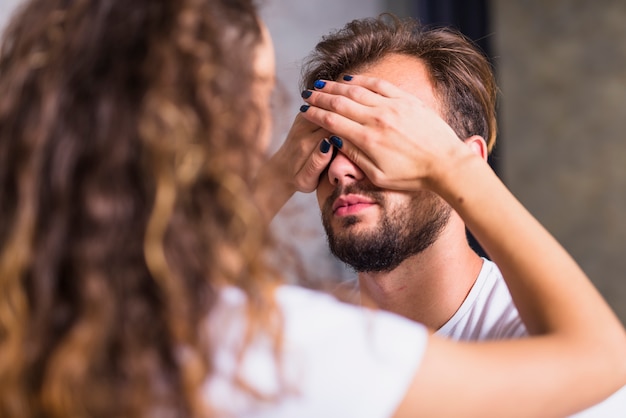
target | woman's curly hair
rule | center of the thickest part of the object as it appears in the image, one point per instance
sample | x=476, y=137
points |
x=125, y=131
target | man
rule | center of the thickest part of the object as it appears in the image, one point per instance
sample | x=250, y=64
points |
x=410, y=249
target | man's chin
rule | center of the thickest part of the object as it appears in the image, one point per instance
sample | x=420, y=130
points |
x=352, y=222
x=349, y=230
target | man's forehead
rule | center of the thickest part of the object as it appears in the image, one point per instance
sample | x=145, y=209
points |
x=408, y=73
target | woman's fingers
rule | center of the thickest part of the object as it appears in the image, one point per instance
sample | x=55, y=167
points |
x=396, y=139
x=307, y=177
x=362, y=89
x=332, y=121
x=355, y=99
x=304, y=154
x=375, y=85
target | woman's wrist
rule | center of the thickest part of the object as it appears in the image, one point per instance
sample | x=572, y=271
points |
x=272, y=189
x=451, y=176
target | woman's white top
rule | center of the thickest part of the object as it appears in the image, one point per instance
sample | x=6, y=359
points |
x=337, y=360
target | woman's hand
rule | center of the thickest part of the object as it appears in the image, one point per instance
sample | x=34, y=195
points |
x=295, y=167
x=303, y=156
x=396, y=139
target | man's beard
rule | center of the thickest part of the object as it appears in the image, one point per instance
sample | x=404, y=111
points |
x=400, y=234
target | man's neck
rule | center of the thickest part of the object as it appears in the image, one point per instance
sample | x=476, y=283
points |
x=428, y=287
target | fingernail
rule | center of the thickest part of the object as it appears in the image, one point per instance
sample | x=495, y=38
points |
x=347, y=77
x=319, y=84
x=306, y=94
x=304, y=108
x=336, y=141
x=324, y=146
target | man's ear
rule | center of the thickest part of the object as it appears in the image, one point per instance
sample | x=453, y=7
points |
x=477, y=144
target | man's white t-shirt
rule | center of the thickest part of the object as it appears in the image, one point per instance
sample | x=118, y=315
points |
x=487, y=313
x=337, y=360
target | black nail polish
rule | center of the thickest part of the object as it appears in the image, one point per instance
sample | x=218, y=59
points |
x=324, y=146
x=304, y=108
x=347, y=77
x=336, y=141
x=306, y=94
x=319, y=84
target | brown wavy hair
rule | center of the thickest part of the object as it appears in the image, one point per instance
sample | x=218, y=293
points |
x=461, y=74
x=125, y=130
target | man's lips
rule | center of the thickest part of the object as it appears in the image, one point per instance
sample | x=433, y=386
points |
x=351, y=204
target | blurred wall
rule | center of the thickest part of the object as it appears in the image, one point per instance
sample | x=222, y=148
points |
x=6, y=8
x=562, y=72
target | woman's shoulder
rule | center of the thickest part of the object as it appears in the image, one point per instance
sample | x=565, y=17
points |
x=331, y=352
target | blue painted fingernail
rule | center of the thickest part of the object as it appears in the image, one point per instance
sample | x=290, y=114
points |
x=324, y=146
x=304, y=108
x=306, y=94
x=319, y=84
x=347, y=77
x=336, y=141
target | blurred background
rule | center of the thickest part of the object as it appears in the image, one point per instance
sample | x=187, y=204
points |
x=561, y=68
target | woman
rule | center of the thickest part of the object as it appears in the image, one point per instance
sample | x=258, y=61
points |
x=134, y=267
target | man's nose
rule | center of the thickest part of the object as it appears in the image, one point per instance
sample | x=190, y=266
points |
x=343, y=171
